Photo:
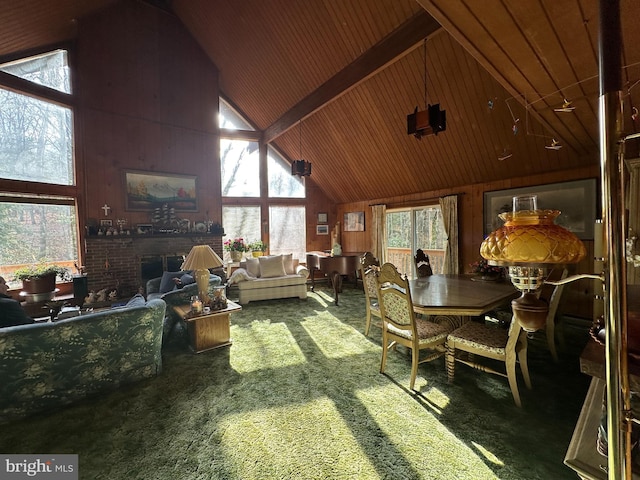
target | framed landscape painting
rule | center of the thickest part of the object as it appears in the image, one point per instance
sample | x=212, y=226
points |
x=576, y=201
x=147, y=191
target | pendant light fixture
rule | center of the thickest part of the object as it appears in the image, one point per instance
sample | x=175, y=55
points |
x=300, y=167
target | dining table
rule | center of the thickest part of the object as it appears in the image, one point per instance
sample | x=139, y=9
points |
x=459, y=295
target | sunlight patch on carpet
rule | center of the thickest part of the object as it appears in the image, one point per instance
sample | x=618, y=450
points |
x=336, y=339
x=419, y=437
x=297, y=441
x=264, y=345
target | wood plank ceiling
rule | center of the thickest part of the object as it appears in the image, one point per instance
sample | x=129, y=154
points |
x=333, y=81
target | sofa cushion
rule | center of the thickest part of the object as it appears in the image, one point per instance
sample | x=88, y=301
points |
x=271, y=266
x=240, y=275
x=167, y=284
x=287, y=261
x=186, y=279
x=136, y=301
x=278, y=282
x=253, y=267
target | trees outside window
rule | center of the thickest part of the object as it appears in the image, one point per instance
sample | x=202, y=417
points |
x=36, y=147
x=415, y=228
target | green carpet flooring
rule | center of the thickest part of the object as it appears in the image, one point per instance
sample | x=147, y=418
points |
x=299, y=396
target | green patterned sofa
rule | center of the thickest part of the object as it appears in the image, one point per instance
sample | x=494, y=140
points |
x=47, y=365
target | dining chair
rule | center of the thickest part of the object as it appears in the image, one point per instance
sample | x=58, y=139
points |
x=490, y=341
x=400, y=325
x=553, y=299
x=369, y=266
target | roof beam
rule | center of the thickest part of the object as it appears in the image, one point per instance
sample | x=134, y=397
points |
x=388, y=50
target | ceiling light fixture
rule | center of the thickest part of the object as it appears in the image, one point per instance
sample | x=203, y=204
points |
x=566, y=107
x=555, y=145
x=301, y=167
x=429, y=121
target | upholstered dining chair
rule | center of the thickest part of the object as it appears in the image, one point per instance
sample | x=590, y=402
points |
x=400, y=326
x=553, y=299
x=369, y=266
x=490, y=341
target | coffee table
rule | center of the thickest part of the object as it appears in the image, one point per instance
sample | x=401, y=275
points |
x=208, y=330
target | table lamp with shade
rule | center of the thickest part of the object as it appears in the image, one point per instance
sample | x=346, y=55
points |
x=200, y=259
x=530, y=243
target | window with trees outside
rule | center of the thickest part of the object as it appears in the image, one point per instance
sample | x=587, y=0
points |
x=409, y=229
x=36, y=147
x=275, y=214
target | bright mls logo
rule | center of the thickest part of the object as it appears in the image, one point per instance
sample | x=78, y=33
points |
x=50, y=467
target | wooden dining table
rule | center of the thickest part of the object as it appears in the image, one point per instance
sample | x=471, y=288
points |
x=462, y=295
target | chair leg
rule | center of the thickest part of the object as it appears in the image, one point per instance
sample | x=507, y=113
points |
x=522, y=359
x=513, y=381
x=551, y=339
x=450, y=362
x=415, y=357
x=385, y=347
x=367, y=325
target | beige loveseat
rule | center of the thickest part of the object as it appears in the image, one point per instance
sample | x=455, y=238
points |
x=269, y=278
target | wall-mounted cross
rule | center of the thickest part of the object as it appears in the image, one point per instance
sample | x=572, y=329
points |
x=106, y=209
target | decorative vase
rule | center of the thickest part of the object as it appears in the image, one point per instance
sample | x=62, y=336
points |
x=235, y=255
x=257, y=254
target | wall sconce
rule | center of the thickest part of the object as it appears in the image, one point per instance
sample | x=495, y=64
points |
x=529, y=243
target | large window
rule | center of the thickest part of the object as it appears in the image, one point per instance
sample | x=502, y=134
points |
x=246, y=201
x=415, y=228
x=36, y=147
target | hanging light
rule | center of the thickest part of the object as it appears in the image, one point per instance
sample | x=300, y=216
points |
x=301, y=167
x=529, y=243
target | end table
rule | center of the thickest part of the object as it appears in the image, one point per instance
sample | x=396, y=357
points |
x=208, y=330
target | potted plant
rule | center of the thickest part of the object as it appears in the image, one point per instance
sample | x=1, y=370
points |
x=39, y=279
x=236, y=248
x=258, y=248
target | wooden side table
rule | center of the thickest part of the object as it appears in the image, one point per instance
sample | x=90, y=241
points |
x=209, y=330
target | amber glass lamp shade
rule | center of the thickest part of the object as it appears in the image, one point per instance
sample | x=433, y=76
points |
x=528, y=243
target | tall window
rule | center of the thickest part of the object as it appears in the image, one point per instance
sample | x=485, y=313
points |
x=411, y=229
x=36, y=146
x=245, y=203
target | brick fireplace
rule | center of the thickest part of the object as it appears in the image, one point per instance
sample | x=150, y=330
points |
x=122, y=262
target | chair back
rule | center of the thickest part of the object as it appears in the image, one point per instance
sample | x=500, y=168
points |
x=395, y=298
x=369, y=265
x=423, y=265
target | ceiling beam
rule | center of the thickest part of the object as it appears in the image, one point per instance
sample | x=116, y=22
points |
x=388, y=50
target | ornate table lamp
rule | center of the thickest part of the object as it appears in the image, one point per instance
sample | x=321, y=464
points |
x=200, y=259
x=529, y=243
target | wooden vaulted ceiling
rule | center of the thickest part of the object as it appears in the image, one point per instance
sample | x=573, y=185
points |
x=333, y=81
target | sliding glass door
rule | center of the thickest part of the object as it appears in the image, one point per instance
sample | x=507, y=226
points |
x=409, y=229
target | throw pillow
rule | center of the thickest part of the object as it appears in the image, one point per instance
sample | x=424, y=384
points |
x=271, y=266
x=136, y=301
x=166, y=283
x=239, y=275
x=253, y=267
x=287, y=260
x=186, y=279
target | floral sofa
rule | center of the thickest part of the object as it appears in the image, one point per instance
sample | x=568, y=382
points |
x=49, y=364
x=270, y=277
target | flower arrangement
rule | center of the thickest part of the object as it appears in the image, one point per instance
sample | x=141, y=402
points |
x=482, y=267
x=258, y=246
x=236, y=245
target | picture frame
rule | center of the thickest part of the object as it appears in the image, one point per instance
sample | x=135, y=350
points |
x=322, y=218
x=576, y=200
x=144, y=228
x=353, y=222
x=106, y=222
x=146, y=191
x=322, y=229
